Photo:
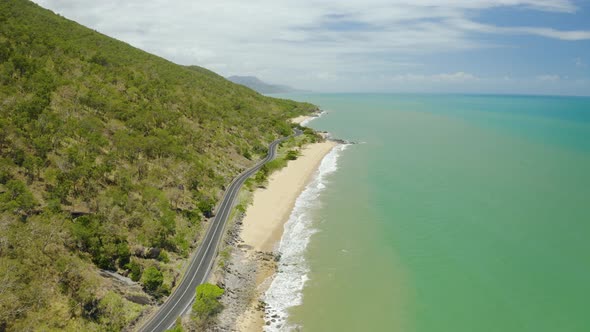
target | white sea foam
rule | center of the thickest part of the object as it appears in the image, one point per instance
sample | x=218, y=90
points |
x=286, y=288
x=307, y=121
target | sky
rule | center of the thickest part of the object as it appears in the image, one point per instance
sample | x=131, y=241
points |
x=432, y=46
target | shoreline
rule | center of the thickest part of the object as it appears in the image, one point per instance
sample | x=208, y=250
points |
x=265, y=217
x=253, y=262
x=303, y=119
x=264, y=221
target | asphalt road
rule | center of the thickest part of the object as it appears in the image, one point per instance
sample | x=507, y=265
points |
x=200, y=264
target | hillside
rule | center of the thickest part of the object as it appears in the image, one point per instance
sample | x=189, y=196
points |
x=110, y=159
x=256, y=84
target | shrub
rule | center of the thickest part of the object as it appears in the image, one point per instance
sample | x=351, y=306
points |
x=177, y=327
x=163, y=257
x=246, y=153
x=206, y=304
x=112, y=313
x=152, y=279
x=206, y=205
x=134, y=270
x=292, y=155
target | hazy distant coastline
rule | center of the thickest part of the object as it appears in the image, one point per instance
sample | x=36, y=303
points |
x=260, y=86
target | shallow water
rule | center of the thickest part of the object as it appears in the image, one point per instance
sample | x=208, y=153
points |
x=456, y=213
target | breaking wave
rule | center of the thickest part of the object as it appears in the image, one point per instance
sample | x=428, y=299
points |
x=286, y=288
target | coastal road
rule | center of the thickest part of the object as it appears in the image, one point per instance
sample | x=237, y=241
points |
x=200, y=264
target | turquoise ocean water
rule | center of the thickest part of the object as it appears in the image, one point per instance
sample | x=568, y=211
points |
x=453, y=214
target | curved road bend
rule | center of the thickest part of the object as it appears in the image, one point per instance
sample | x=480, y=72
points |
x=201, y=262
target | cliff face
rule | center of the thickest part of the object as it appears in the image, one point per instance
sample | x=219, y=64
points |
x=110, y=158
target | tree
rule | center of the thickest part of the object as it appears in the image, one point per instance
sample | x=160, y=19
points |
x=262, y=174
x=134, y=270
x=5, y=51
x=32, y=165
x=206, y=205
x=152, y=279
x=17, y=199
x=206, y=304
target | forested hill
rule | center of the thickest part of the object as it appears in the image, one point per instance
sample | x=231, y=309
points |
x=110, y=158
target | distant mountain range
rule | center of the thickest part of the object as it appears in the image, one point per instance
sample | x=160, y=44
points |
x=256, y=84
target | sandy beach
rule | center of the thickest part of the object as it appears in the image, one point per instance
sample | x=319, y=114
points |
x=255, y=237
x=257, y=234
x=263, y=223
x=302, y=118
x=262, y=226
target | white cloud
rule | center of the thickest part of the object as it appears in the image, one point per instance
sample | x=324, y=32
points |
x=548, y=78
x=580, y=63
x=305, y=43
x=458, y=77
x=552, y=33
x=571, y=35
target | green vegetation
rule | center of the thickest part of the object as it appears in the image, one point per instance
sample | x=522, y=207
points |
x=134, y=269
x=292, y=154
x=177, y=327
x=206, y=304
x=110, y=158
x=152, y=279
x=113, y=313
x=287, y=150
x=224, y=257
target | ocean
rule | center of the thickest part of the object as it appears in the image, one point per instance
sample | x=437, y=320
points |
x=453, y=213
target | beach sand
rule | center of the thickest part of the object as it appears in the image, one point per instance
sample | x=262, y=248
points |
x=301, y=118
x=270, y=209
x=262, y=226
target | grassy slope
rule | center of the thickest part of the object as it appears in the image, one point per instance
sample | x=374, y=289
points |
x=107, y=151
